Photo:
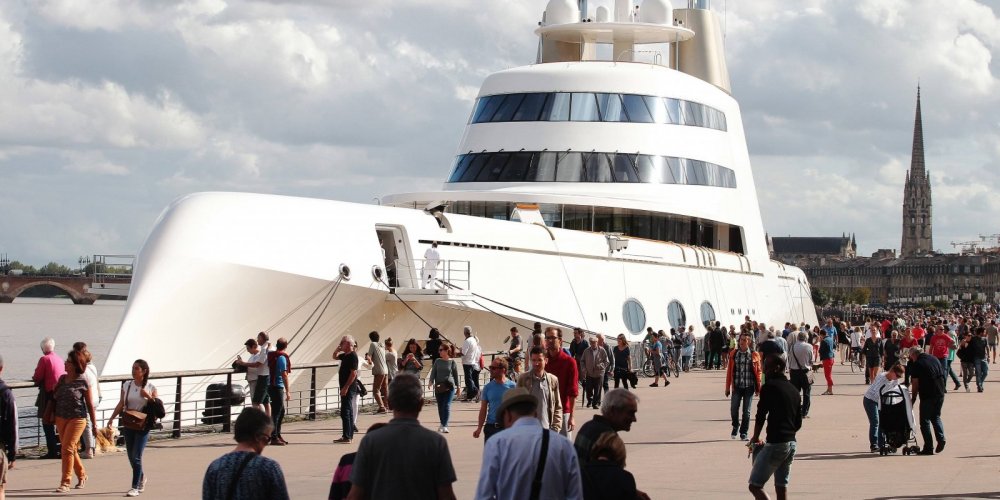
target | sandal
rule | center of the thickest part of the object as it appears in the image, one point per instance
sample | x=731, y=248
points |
x=63, y=489
x=81, y=484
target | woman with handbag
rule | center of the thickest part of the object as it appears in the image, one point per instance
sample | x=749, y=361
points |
x=444, y=380
x=136, y=393
x=71, y=406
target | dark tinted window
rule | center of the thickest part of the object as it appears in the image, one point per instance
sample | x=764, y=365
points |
x=572, y=166
x=591, y=107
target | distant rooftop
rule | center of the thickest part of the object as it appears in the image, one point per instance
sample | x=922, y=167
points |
x=809, y=245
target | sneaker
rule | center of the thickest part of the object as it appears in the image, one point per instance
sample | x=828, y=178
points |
x=63, y=489
x=132, y=493
x=874, y=448
x=966, y=388
x=733, y=435
x=666, y=383
x=743, y=437
x=444, y=430
x=142, y=483
x=940, y=447
x=980, y=389
x=654, y=384
x=342, y=440
x=925, y=451
x=440, y=429
x=957, y=386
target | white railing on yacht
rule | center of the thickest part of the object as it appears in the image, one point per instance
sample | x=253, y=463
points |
x=424, y=273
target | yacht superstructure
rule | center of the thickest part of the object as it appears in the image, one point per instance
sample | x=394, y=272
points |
x=607, y=186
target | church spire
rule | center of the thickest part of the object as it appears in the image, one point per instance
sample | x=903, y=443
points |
x=917, y=168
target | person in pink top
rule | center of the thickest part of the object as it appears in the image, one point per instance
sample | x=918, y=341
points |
x=47, y=372
x=563, y=366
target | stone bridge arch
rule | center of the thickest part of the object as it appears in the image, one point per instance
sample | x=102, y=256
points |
x=10, y=289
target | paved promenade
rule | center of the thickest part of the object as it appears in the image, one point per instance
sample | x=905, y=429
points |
x=679, y=448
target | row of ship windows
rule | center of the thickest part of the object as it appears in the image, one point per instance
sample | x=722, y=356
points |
x=636, y=223
x=570, y=166
x=595, y=107
x=634, y=315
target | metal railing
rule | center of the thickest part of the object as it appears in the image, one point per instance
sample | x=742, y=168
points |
x=188, y=413
x=410, y=273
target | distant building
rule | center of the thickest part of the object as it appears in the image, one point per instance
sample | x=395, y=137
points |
x=805, y=251
x=917, y=234
x=918, y=274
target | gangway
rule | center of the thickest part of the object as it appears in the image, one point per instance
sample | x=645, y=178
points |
x=414, y=281
x=112, y=275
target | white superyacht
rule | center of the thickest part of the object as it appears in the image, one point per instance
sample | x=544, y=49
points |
x=607, y=186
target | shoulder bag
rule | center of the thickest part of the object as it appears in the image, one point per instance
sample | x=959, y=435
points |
x=231, y=490
x=809, y=373
x=133, y=419
x=445, y=386
x=536, y=484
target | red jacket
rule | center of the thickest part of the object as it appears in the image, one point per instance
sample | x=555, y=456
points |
x=563, y=366
x=50, y=367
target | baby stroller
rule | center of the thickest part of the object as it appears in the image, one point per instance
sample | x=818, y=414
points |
x=895, y=421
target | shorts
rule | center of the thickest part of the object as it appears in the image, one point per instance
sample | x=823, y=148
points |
x=775, y=459
x=260, y=395
x=3, y=466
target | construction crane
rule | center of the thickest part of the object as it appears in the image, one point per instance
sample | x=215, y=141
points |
x=994, y=239
x=966, y=247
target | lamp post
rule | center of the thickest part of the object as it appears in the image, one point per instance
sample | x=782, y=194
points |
x=4, y=264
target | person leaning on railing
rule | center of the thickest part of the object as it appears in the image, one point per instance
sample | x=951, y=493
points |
x=135, y=394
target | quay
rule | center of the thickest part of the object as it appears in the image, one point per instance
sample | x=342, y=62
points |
x=679, y=448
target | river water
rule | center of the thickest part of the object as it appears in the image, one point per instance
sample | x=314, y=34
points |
x=25, y=322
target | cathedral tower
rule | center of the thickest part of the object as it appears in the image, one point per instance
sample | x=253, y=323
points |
x=917, y=238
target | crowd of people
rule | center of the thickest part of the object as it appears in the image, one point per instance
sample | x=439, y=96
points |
x=526, y=409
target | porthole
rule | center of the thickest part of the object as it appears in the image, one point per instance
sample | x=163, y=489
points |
x=707, y=313
x=634, y=316
x=675, y=315
x=345, y=272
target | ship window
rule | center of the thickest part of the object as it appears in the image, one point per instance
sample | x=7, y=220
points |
x=592, y=107
x=598, y=168
x=610, y=108
x=491, y=172
x=675, y=315
x=507, y=109
x=517, y=167
x=624, y=168
x=531, y=107
x=474, y=167
x=636, y=109
x=707, y=313
x=634, y=316
x=584, y=108
x=556, y=108
x=543, y=167
x=460, y=166
x=577, y=217
x=569, y=167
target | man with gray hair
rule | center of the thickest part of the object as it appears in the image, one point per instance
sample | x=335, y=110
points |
x=928, y=381
x=47, y=372
x=403, y=445
x=617, y=414
x=470, y=364
x=593, y=365
x=800, y=361
x=8, y=431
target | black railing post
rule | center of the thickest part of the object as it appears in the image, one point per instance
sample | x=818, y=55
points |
x=177, y=409
x=227, y=410
x=312, y=393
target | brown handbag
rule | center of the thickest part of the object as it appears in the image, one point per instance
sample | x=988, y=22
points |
x=134, y=420
x=49, y=414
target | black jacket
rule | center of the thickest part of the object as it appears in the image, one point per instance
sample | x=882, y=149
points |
x=781, y=405
x=8, y=421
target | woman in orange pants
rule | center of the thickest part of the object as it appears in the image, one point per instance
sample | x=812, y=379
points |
x=72, y=397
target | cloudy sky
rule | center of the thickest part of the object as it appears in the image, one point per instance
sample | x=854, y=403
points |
x=113, y=108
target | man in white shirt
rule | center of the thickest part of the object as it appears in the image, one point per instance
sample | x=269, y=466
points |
x=512, y=458
x=431, y=260
x=256, y=364
x=470, y=364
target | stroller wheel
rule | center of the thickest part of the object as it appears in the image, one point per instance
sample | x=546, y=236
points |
x=906, y=451
x=892, y=451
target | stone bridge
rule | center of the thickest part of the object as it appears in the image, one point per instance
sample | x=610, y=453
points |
x=75, y=286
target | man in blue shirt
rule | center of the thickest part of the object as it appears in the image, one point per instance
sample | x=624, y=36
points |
x=492, y=396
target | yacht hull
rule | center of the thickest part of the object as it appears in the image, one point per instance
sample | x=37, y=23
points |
x=219, y=267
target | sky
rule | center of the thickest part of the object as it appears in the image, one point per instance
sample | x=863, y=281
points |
x=113, y=108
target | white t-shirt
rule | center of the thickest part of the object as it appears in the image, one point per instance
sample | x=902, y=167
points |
x=95, y=387
x=855, y=339
x=133, y=395
x=254, y=372
x=470, y=351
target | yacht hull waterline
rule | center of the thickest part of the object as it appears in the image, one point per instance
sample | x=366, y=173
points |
x=611, y=195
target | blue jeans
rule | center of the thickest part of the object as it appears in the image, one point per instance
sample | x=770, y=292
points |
x=135, y=443
x=444, y=406
x=744, y=396
x=471, y=380
x=874, y=436
x=982, y=368
x=347, y=411
x=949, y=371
x=773, y=459
x=277, y=395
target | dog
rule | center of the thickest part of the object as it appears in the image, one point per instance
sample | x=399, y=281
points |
x=633, y=378
x=106, y=440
